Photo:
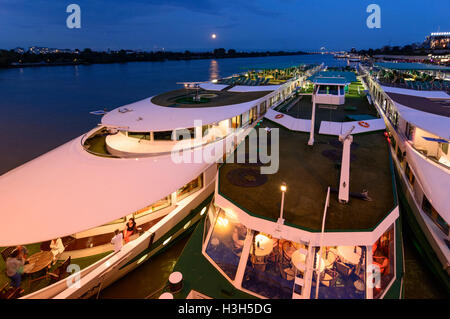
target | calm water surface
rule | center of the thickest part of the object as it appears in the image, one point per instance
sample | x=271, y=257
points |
x=43, y=107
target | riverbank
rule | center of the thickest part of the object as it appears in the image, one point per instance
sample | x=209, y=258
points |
x=11, y=59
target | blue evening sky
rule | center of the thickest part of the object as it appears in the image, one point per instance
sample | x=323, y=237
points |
x=242, y=25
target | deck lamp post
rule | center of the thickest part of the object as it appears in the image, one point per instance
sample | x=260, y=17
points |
x=283, y=190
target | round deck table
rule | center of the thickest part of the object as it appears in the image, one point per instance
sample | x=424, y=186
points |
x=349, y=255
x=265, y=245
x=299, y=258
x=37, y=262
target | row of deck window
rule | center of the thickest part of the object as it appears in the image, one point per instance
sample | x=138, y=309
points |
x=190, y=188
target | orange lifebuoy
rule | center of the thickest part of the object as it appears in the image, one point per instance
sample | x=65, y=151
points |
x=279, y=116
x=363, y=124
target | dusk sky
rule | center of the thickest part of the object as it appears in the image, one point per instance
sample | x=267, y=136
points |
x=242, y=25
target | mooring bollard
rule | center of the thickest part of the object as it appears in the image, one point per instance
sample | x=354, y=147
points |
x=175, y=281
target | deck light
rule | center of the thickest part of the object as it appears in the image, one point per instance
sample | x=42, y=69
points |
x=222, y=221
x=167, y=240
x=142, y=259
x=203, y=211
x=213, y=36
x=283, y=191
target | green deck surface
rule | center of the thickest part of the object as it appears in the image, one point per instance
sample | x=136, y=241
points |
x=308, y=172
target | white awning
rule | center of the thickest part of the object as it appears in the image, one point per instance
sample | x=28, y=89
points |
x=338, y=128
x=292, y=123
x=68, y=190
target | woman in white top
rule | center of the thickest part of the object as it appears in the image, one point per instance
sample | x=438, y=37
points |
x=57, y=248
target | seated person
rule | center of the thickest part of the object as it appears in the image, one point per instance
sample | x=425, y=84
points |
x=23, y=252
x=129, y=230
x=57, y=248
x=14, y=268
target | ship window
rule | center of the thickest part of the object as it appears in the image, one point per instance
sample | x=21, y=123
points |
x=236, y=121
x=190, y=188
x=342, y=272
x=409, y=131
x=226, y=243
x=409, y=174
x=262, y=108
x=162, y=203
x=333, y=90
x=270, y=268
x=383, y=254
x=140, y=135
x=434, y=215
x=444, y=148
x=399, y=154
x=185, y=134
x=162, y=136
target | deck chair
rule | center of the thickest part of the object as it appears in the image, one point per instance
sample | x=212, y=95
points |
x=7, y=252
x=343, y=269
x=8, y=292
x=60, y=272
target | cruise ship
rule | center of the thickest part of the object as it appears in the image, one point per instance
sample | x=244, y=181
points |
x=154, y=160
x=414, y=101
x=325, y=225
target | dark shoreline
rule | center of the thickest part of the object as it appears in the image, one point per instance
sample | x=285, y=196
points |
x=91, y=57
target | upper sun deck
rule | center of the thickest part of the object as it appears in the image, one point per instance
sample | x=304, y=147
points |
x=185, y=98
x=308, y=171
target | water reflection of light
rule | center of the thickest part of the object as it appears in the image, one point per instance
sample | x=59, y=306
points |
x=213, y=70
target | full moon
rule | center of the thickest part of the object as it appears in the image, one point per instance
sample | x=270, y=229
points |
x=213, y=35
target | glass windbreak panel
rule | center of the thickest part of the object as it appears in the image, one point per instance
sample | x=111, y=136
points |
x=211, y=215
x=383, y=254
x=226, y=243
x=342, y=272
x=162, y=203
x=162, y=136
x=271, y=267
x=140, y=135
x=190, y=188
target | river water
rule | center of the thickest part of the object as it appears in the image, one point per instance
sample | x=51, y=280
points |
x=43, y=107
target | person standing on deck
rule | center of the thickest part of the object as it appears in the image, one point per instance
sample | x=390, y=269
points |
x=117, y=241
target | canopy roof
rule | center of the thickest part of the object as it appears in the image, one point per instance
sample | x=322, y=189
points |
x=333, y=77
x=411, y=66
x=68, y=190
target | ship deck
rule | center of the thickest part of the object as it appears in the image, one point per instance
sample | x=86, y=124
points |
x=308, y=171
x=184, y=98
